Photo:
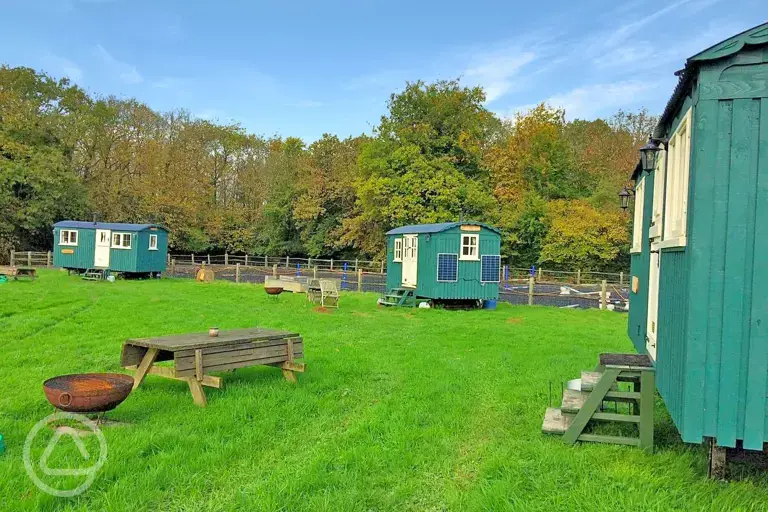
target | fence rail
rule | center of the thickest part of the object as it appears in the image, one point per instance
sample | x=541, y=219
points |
x=516, y=285
x=31, y=258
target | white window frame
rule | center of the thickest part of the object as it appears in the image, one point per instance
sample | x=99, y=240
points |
x=657, y=208
x=471, y=256
x=676, y=186
x=121, y=240
x=151, y=246
x=498, y=275
x=398, y=256
x=637, y=223
x=437, y=277
x=67, y=239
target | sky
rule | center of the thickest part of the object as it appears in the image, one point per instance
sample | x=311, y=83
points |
x=304, y=68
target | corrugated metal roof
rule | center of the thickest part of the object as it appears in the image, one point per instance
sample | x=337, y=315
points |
x=435, y=228
x=106, y=225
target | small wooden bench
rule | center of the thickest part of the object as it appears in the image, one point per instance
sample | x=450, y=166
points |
x=195, y=355
x=18, y=272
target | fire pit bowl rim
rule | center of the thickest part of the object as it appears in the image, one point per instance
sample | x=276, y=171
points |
x=71, y=392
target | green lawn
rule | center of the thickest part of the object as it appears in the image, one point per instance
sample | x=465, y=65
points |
x=398, y=410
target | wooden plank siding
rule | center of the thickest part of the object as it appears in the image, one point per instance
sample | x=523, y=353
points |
x=671, y=346
x=712, y=359
x=727, y=359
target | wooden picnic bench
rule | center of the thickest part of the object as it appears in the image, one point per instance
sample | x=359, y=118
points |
x=18, y=272
x=195, y=355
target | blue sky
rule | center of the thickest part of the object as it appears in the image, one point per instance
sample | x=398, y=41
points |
x=303, y=68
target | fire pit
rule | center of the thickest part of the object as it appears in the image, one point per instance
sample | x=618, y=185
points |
x=88, y=392
x=273, y=290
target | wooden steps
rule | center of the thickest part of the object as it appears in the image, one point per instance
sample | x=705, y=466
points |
x=399, y=297
x=586, y=404
x=94, y=274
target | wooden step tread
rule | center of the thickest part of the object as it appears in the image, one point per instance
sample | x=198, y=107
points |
x=573, y=401
x=597, y=438
x=555, y=422
x=590, y=379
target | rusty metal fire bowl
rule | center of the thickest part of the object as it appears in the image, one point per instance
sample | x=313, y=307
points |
x=88, y=392
x=273, y=290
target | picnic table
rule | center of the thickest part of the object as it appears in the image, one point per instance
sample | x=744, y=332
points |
x=17, y=272
x=195, y=355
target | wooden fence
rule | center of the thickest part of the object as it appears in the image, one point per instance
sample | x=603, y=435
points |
x=31, y=259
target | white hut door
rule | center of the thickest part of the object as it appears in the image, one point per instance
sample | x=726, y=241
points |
x=652, y=329
x=410, y=259
x=101, y=254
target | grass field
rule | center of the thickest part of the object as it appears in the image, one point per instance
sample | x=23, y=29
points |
x=398, y=410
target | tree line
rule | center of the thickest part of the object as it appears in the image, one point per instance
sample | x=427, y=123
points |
x=437, y=155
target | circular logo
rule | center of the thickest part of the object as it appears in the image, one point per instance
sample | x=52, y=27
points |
x=41, y=465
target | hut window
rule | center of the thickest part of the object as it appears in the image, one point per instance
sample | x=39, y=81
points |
x=152, y=242
x=676, y=205
x=398, y=250
x=658, y=196
x=447, y=268
x=637, y=223
x=490, y=268
x=68, y=237
x=121, y=240
x=469, y=249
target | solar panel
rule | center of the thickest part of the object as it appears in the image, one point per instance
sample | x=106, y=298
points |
x=448, y=267
x=489, y=269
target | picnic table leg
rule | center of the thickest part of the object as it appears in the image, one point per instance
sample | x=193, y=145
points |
x=198, y=394
x=289, y=375
x=146, y=363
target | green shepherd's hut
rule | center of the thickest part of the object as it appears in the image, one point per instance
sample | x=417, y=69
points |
x=139, y=249
x=699, y=294
x=451, y=262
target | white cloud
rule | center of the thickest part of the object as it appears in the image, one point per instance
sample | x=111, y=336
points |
x=64, y=66
x=496, y=72
x=589, y=102
x=125, y=72
x=209, y=114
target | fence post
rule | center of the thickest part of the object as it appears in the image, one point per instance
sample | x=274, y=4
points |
x=578, y=276
x=356, y=264
x=226, y=258
x=382, y=267
x=314, y=272
x=167, y=258
x=287, y=262
x=621, y=278
x=209, y=258
x=531, y=280
x=539, y=272
x=360, y=280
x=274, y=270
x=193, y=258
x=173, y=267
x=29, y=258
x=309, y=263
x=246, y=259
x=603, y=294
x=331, y=264
x=48, y=259
x=237, y=272
x=13, y=257
x=266, y=261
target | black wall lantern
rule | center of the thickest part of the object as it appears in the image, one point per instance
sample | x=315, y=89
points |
x=648, y=155
x=624, y=197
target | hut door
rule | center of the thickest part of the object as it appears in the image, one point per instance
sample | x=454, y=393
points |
x=101, y=254
x=652, y=329
x=410, y=259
